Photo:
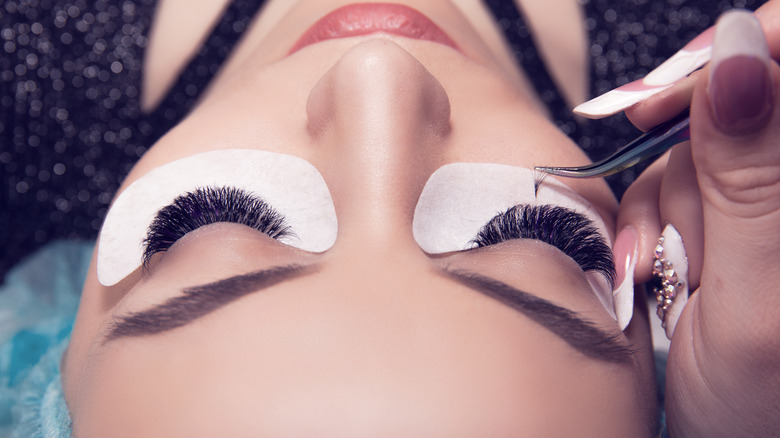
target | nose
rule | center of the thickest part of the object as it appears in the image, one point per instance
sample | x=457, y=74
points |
x=380, y=121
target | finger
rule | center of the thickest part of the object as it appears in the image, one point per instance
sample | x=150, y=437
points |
x=725, y=350
x=661, y=107
x=639, y=213
x=680, y=205
x=734, y=131
x=649, y=105
x=769, y=17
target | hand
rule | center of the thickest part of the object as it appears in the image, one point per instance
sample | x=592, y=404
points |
x=722, y=193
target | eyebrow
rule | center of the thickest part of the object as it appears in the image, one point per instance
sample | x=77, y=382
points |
x=198, y=301
x=582, y=334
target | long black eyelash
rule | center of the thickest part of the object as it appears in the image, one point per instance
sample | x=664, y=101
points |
x=565, y=229
x=206, y=206
x=539, y=178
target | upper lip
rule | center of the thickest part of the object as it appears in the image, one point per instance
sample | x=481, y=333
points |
x=366, y=18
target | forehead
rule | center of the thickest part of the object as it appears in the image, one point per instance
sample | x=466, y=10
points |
x=335, y=351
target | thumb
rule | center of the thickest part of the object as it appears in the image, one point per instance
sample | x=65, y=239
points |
x=735, y=137
x=723, y=361
x=735, y=126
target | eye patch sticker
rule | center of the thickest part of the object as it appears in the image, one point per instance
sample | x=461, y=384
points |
x=460, y=198
x=291, y=185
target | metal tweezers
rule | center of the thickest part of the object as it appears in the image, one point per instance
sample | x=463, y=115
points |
x=648, y=145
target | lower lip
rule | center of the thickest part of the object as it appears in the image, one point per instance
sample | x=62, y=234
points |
x=367, y=18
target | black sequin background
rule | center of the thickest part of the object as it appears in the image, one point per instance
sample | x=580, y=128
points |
x=71, y=125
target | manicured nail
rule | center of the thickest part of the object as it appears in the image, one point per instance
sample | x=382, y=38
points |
x=625, y=252
x=740, y=86
x=691, y=57
x=615, y=101
x=674, y=254
x=600, y=285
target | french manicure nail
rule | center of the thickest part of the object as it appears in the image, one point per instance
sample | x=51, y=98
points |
x=674, y=253
x=740, y=85
x=600, y=285
x=695, y=54
x=614, y=101
x=625, y=252
x=691, y=57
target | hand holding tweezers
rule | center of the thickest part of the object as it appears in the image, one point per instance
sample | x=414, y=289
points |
x=647, y=145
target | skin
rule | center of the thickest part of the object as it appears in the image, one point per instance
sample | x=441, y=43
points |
x=375, y=340
x=721, y=192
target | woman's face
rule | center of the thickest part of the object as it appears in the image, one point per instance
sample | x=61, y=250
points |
x=373, y=336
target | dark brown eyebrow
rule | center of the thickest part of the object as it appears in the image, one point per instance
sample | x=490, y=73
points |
x=198, y=301
x=580, y=333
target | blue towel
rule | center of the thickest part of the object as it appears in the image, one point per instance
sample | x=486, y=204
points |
x=38, y=304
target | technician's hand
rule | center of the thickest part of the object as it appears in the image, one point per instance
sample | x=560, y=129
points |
x=722, y=194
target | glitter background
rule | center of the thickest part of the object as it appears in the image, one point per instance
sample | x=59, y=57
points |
x=71, y=126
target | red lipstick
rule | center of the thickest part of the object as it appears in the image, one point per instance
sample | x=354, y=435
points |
x=366, y=18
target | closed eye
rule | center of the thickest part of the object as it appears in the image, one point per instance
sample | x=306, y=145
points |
x=209, y=205
x=565, y=229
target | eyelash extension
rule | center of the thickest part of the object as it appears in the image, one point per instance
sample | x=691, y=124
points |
x=206, y=206
x=539, y=178
x=565, y=229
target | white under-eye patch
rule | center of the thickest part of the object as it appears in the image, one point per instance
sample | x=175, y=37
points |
x=460, y=198
x=289, y=184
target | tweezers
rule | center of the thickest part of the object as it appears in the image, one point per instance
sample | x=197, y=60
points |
x=648, y=145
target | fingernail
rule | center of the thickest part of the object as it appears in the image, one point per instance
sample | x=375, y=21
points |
x=614, y=101
x=691, y=57
x=740, y=86
x=674, y=254
x=686, y=61
x=600, y=285
x=625, y=252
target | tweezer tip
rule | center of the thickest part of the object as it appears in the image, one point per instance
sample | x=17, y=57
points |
x=543, y=169
x=558, y=171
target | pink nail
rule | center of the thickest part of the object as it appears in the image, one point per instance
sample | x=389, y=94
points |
x=625, y=252
x=740, y=86
x=690, y=58
x=674, y=253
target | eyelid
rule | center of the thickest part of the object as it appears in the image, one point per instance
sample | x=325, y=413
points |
x=460, y=198
x=293, y=186
x=569, y=231
x=209, y=205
